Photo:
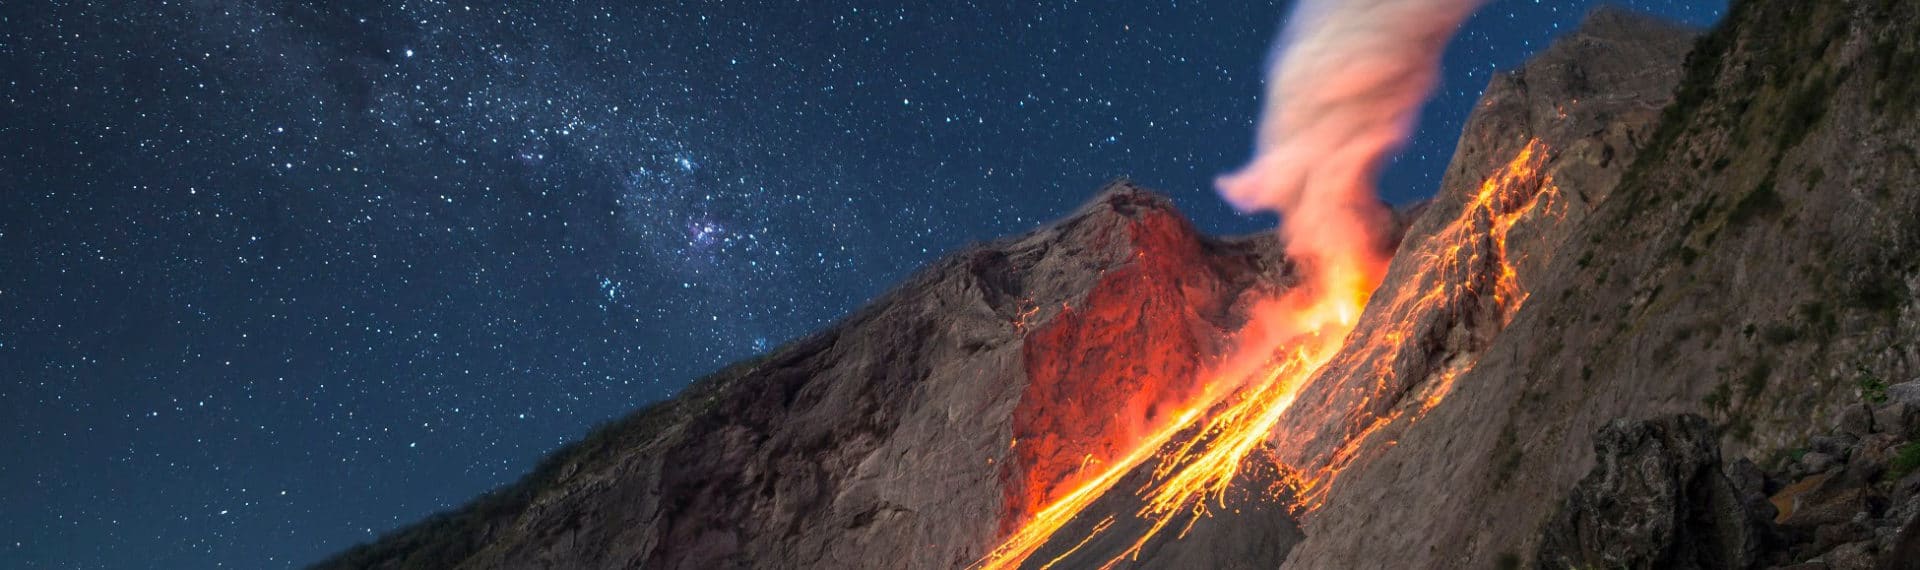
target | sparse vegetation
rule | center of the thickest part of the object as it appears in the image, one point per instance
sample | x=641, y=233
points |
x=1873, y=388
x=1905, y=460
x=1741, y=428
x=1821, y=321
x=1762, y=202
x=1688, y=255
x=1880, y=292
x=1720, y=399
x=1508, y=561
x=1780, y=334
x=1780, y=458
x=1899, y=72
x=1755, y=381
x=1803, y=111
x=1507, y=457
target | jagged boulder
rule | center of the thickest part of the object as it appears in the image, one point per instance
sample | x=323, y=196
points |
x=1657, y=499
x=1660, y=498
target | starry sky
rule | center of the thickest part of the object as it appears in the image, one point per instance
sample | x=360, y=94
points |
x=277, y=277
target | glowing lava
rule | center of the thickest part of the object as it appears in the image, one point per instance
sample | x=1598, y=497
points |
x=1197, y=454
x=1463, y=273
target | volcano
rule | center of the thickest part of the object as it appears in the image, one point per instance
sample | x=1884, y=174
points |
x=1640, y=221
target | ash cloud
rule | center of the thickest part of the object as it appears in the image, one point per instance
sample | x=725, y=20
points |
x=1344, y=90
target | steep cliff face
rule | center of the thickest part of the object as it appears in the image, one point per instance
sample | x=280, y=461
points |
x=1548, y=143
x=1755, y=264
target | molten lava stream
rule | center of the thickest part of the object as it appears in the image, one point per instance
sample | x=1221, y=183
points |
x=1284, y=343
x=1284, y=346
x=1464, y=260
x=1036, y=532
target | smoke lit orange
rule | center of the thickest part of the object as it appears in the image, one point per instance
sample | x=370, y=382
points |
x=1196, y=456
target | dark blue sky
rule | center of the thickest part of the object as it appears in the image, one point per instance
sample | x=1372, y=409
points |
x=277, y=278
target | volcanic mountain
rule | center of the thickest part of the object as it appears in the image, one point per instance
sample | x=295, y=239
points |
x=1639, y=222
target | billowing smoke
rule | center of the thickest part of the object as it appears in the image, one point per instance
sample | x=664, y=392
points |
x=1344, y=90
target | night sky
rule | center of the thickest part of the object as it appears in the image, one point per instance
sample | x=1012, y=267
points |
x=277, y=278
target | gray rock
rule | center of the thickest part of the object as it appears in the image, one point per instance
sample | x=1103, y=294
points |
x=1832, y=535
x=1818, y=462
x=1856, y=420
x=1908, y=486
x=1895, y=418
x=1751, y=483
x=1851, y=556
x=1657, y=499
x=1837, y=445
x=1905, y=392
x=1905, y=553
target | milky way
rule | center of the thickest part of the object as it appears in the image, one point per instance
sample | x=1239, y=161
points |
x=277, y=278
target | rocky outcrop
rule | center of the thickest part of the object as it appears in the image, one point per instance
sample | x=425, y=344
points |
x=1657, y=499
x=1660, y=496
x=1848, y=498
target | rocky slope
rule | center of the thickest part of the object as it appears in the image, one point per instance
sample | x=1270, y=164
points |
x=1548, y=143
x=1619, y=236
x=1663, y=496
x=1755, y=265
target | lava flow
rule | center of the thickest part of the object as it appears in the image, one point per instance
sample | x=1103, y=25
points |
x=1197, y=454
x=1462, y=274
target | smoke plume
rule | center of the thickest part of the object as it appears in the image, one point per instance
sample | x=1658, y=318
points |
x=1344, y=90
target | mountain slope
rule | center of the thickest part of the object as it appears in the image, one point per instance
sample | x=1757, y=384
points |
x=903, y=436
x=1756, y=264
x=1548, y=143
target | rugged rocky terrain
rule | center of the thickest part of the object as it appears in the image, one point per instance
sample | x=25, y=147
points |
x=1548, y=143
x=1636, y=224
x=1663, y=496
x=1755, y=265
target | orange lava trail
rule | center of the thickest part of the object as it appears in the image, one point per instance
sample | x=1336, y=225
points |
x=1284, y=346
x=1499, y=204
x=1036, y=532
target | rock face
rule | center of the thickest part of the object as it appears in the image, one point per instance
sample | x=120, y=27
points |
x=1657, y=499
x=1547, y=144
x=1619, y=236
x=1747, y=267
x=1578, y=113
x=1661, y=496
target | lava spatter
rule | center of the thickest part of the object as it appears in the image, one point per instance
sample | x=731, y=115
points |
x=1197, y=455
